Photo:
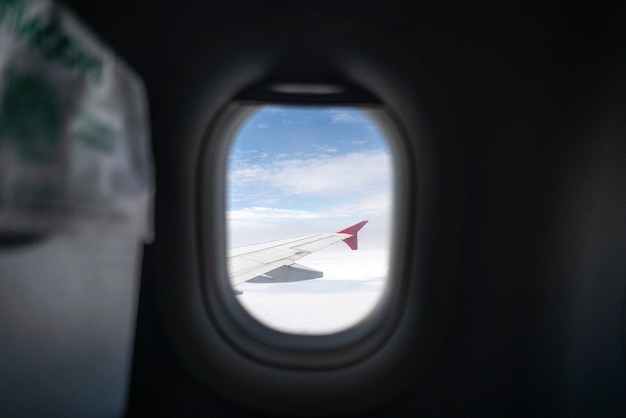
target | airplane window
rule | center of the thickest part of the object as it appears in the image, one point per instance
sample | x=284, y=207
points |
x=309, y=201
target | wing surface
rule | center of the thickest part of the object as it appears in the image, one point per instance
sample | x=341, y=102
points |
x=245, y=263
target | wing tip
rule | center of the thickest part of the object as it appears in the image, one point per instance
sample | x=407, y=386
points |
x=353, y=230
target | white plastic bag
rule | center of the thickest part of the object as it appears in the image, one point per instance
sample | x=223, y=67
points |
x=74, y=128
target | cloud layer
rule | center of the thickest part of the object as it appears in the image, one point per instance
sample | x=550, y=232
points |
x=346, y=295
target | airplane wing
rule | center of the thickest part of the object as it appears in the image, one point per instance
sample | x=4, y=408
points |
x=275, y=260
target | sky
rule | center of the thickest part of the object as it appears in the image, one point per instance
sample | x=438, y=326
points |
x=301, y=170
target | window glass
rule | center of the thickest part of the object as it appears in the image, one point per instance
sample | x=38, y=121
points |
x=308, y=173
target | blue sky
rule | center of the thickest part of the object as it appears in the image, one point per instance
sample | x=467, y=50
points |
x=299, y=170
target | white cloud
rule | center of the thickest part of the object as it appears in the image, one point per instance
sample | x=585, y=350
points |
x=343, y=116
x=273, y=109
x=329, y=193
x=364, y=207
x=356, y=173
x=352, y=286
x=325, y=149
x=265, y=223
x=261, y=213
x=264, y=125
x=315, y=307
x=244, y=152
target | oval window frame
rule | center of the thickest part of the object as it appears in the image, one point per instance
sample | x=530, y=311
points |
x=360, y=57
x=242, y=330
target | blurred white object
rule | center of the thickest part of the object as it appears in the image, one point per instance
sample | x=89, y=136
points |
x=74, y=128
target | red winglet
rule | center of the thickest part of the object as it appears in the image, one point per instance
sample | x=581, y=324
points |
x=352, y=230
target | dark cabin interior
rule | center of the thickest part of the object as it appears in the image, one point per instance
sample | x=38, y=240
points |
x=537, y=95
